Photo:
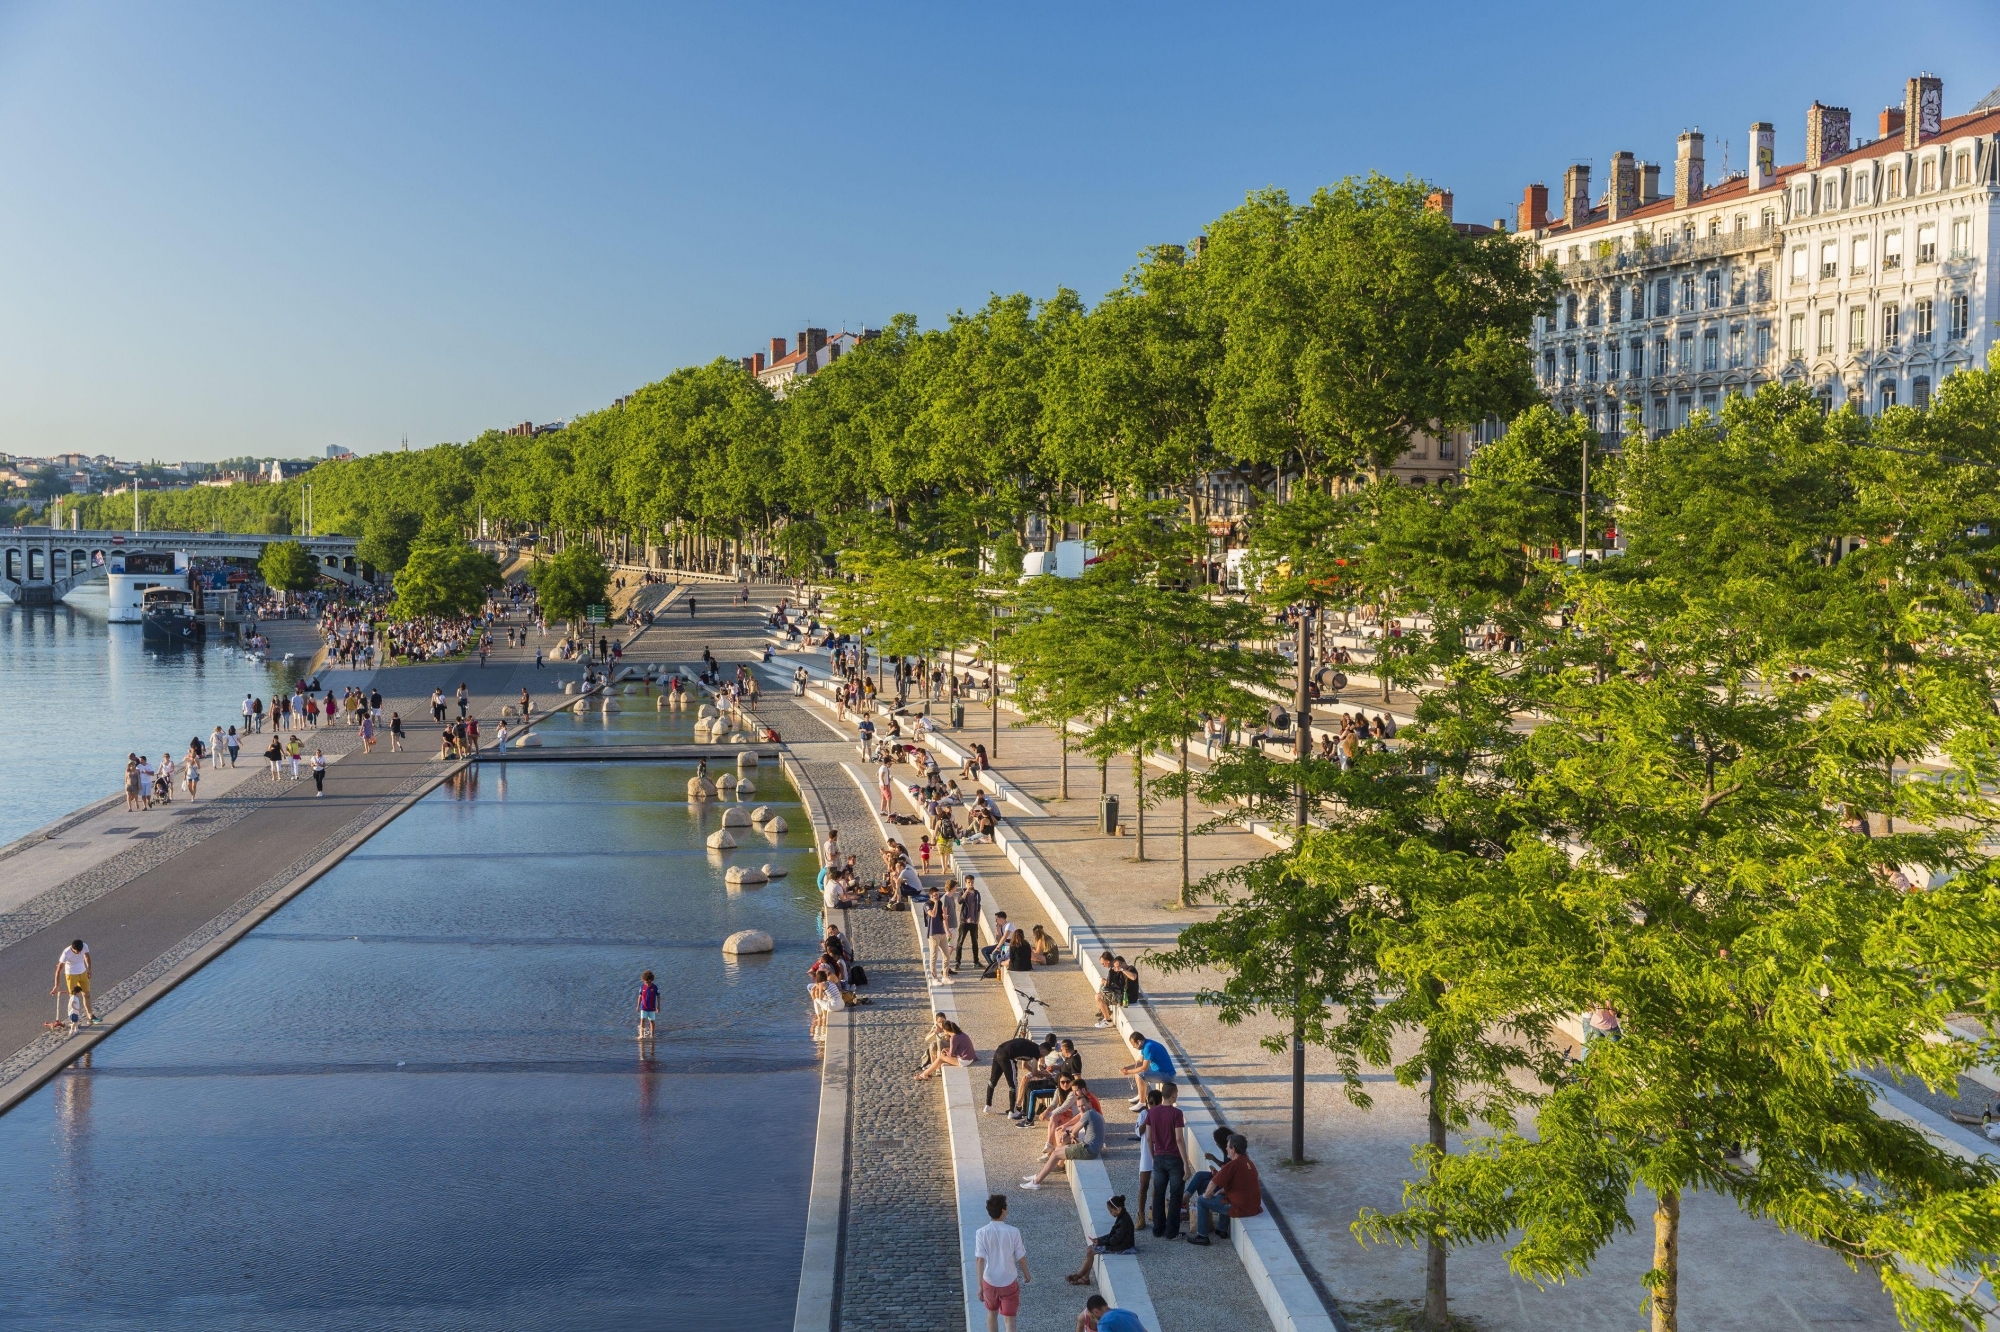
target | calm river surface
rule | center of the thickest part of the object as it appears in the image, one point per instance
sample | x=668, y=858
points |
x=78, y=694
x=412, y=1097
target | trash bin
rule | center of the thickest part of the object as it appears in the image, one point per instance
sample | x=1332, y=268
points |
x=957, y=716
x=1107, y=811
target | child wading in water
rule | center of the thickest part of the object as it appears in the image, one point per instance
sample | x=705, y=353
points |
x=649, y=1004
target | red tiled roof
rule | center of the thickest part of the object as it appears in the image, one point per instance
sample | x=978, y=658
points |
x=1738, y=187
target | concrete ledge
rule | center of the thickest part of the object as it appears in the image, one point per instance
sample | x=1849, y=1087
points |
x=1119, y=1279
x=988, y=778
x=820, y=1266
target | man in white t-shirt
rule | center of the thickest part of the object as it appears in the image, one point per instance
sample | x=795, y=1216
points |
x=73, y=975
x=1003, y=1266
x=887, y=781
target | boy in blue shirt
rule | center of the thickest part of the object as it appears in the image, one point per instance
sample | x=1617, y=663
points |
x=1154, y=1065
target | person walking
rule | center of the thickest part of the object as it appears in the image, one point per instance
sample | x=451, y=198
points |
x=649, y=1005
x=274, y=754
x=464, y=700
x=690, y=608
x=967, y=904
x=247, y=710
x=235, y=744
x=886, y=781
x=1002, y=1262
x=297, y=751
x=318, y=771
x=937, y=928
x=395, y=732
x=73, y=971
x=134, y=784
x=367, y=733
x=191, y=774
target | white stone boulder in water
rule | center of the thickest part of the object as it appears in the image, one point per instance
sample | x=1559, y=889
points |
x=611, y=705
x=569, y=686
x=745, y=874
x=726, y=782
x=660, y=704
x=734, y=817
x=700, y=788
x=775, y=824
x=707, y=712
x=529, y=741
x=775, y=871
x=747, y=941
x=759, y=814
x=506, y=709
x=746, y=759
x=721, y=840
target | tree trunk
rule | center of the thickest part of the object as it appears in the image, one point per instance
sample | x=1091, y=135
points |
x=1062, y=741
x=1184, y=824
x=1139, y=800
x=1302, y=713
x=1299, y=1083
x=1437, y=1307
x=1667, y=1261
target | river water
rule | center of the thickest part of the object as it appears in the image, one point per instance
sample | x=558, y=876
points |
x=412, y=1097
x=77, y=694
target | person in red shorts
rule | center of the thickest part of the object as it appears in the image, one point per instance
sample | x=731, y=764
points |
x=1003, y=1266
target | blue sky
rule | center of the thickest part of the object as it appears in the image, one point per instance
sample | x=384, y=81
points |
x=238, y=228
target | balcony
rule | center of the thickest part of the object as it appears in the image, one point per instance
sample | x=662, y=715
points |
x=1673, y=250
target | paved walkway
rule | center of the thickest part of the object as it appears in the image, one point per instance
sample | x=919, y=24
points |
x=1738, y=1273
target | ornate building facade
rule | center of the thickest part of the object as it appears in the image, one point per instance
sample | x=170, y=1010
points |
x=1865, y=270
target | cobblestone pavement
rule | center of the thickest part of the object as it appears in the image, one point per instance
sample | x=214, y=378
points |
x=899, y=1230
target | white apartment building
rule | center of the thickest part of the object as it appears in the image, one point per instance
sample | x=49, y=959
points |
x=814, y=353
x=1864, y=270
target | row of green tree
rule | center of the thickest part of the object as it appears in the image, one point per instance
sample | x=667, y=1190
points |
x=1734, y=785
x=1295, y=343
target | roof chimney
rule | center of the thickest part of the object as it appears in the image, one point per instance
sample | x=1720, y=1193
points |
x=1622, y=196
x=1649, y=183
x=1438, y=201
x=802, y=342
x=777, y=350
x=759, y=360
x=1687, y=169
x=1923, y=109
x=1763, y=156
x=1534, y=210
x=1891, y=122
x=1827, y=130
x=1576, y=194
x=743, y=361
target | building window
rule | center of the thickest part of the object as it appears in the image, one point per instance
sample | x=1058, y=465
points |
x=1825, y=332
x=1886, y=396
x=1962, y=169
x=1892, y=325
x=1895, y=183
x=1920, y=392
x=1590, y=363
x=1687, y=351
x=1660, y=415
x=1920, y=327
x=1614, y=305
x=1930, y=175
x=1825, y=396
x=1799, y=202
x=1892, y=250
x=1763, y=344
x=1961, y=315
x=1638, y=366
x=1687, y=292
x=1798, y=263
x=1569, y=365
x=1927, y=243
x=1549, y=366
x=1611, y=352
x=1662, y=298
x=1829, y=259
x=1961, y=237
x=1683, y=409
x=1708, y=402
x=1737, y=340
x=1861, y=188
x=1714, y=284
x=1763, y=282
x=1857, y=327
x=1569, y=310
x=1795, y=336
x=1861, y=254
x=1639, y=301
x=1711, y=346
x=1593, y=312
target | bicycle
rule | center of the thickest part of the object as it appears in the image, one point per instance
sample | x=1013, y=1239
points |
x=1028, y=1003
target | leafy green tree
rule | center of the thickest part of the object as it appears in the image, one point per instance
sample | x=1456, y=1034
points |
x=288, y=566
x=570, y=582
x=386, y=537
x=443, y=576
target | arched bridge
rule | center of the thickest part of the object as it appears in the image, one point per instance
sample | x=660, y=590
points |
x=41, y=565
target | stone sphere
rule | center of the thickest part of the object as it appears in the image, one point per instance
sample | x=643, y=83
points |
x=747, y=941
